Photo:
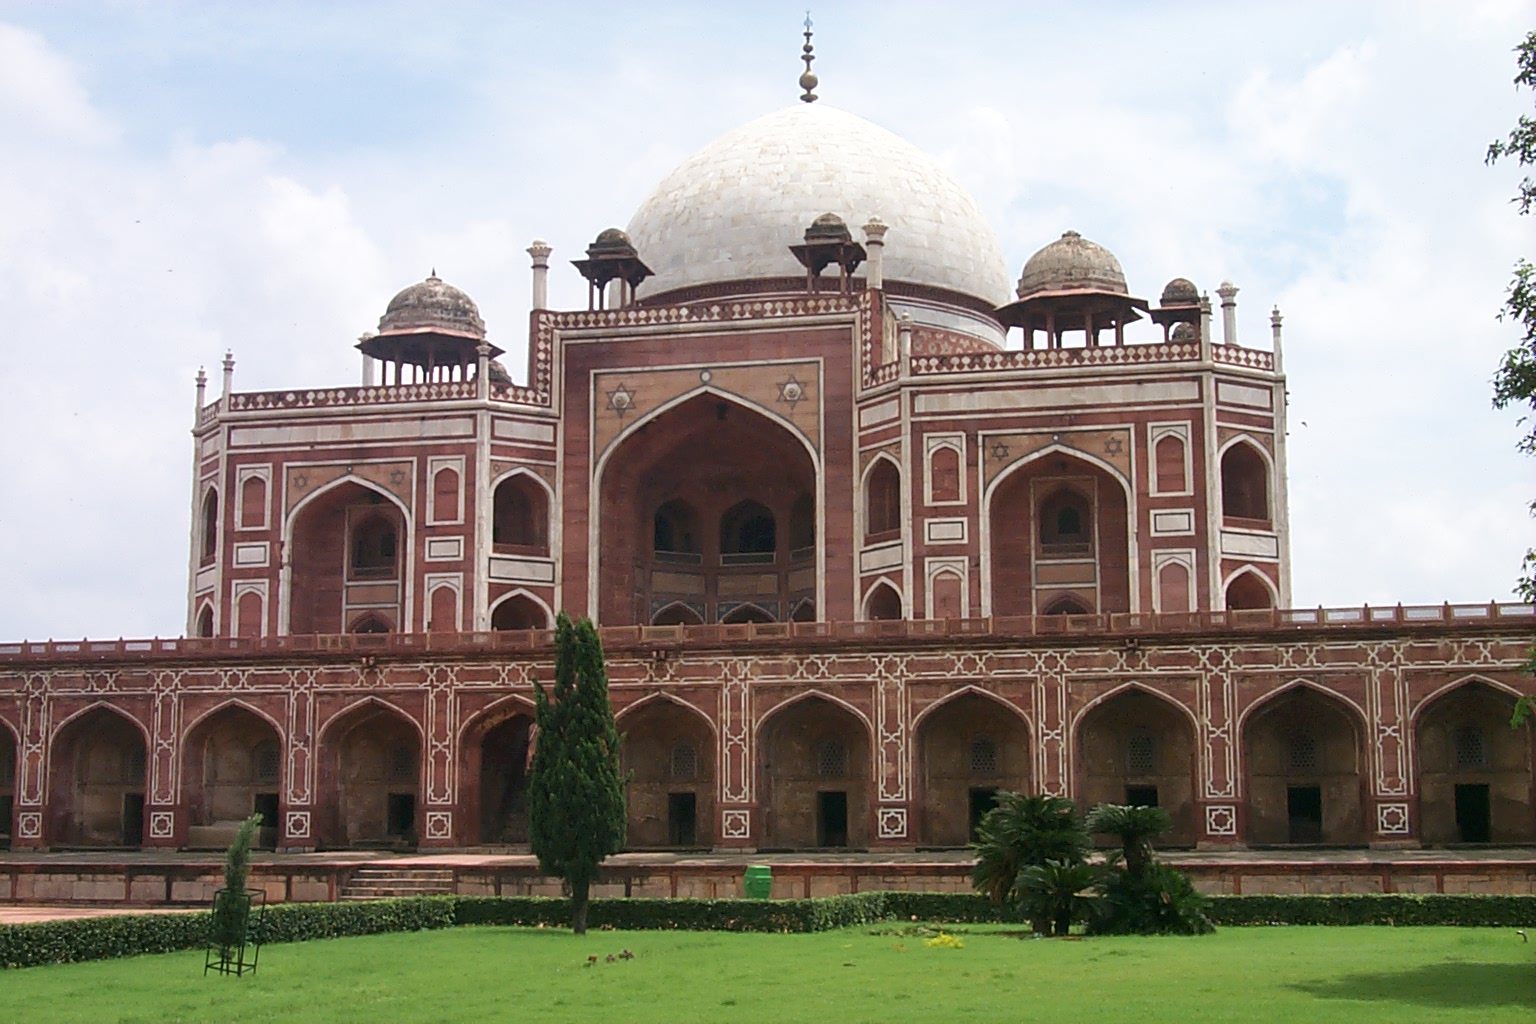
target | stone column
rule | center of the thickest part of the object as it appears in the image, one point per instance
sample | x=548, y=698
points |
x=1228, y=292
x=894, y=813
x=165, y=823
x=229, y=375
x=298, y=827
x=202, y=392
x=1218, y=792
x=440, y=789
x=34, y=752
x=874, y=245
x=540, y=251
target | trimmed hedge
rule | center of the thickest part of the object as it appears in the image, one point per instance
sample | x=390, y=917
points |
x=102, y=938
x=1381, y=908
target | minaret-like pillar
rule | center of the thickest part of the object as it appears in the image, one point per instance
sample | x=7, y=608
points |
x=1205, y=324
x=1228, y=292
x=1274, y=330
x=904, y=338
x=229, y=373
x=483, y=370
x=202, y=389
x=540, y=251
x=874, y=242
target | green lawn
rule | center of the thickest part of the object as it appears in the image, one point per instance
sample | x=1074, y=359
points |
x=872, y=973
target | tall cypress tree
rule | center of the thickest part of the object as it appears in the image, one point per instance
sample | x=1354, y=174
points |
x=575, y=790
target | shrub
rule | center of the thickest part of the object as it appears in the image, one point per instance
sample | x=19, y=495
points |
x=1054, y=896
x=1159, y=901
x=1024, y=831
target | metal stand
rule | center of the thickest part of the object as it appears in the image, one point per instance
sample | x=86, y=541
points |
x=234, y=942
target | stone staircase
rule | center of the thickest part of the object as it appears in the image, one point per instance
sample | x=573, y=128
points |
x=382, y=883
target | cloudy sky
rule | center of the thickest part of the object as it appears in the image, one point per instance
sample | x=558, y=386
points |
x=181, y=178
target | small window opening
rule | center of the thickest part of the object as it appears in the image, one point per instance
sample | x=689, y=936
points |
x=983, y=756
x=832, y=759
x=685, y=761
x=1140, y=754
x=1303, y=752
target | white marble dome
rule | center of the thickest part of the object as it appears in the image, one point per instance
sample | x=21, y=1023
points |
x=731, y=211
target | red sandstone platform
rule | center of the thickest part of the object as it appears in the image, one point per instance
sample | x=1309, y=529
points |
x=147, y=879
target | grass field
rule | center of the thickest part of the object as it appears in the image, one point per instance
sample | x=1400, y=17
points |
x=873, y=973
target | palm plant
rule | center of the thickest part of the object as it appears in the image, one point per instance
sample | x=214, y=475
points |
x=1024, y=831
x=1135, y=827
x=1053, y=895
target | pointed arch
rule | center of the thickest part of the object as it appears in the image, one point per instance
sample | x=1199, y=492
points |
x=1357, y=714
x=737, y=615
x=498, y=710
x=971, y=688
x=668, y=698
x=235, y=702
x=884, y=592
x=407, y=545
x=989, y=494
x=1466, y=680
x=604, y=462
x=523, y=476
x=813, y=694
x=682, y=610
x=1139, y=687
x=523, y=592
x=94, y=705
x=706, y=389
x=323, y=734
x=1261, y=579
x=1237, y=481
x=880, y=493
x=206, y=621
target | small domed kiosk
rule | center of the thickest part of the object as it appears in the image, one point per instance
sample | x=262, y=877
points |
x=1072, y=285
x=432, y=327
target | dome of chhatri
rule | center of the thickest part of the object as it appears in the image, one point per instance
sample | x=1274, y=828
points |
x=1181, y=291
x=1072, y=263
x=731, y=211
x=432, y=306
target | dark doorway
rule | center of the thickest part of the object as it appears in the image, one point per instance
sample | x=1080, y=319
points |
x=402, y=814
x=1141, y=796
x=266, y=806
x=982, y=801
x=682, y=819
x=5, y=816
x=1474, y=822
x=832, y=819
x=133, y=819
x=1304, y=809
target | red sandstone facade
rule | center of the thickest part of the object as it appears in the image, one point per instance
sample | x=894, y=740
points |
x=859, y=563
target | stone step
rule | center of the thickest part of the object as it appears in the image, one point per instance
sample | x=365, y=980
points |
x=380, y=883
x=429, y=874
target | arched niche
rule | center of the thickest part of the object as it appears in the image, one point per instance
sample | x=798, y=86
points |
x=209, y=529
x=496, y=751
x=815, y=776
x=677, y=613
x=520, y=517
x=233, y=769
x=1137, y=748
x=205, y=621
x=970, y=748
x=1245, y=486
x=1474, y=770
x=669, y=754
x=349, y=547
x=1249, y=592
x=97, y=781
x=1058, y=526
x=519, y=611
x=882, y=502
x=1303, y=758
x=882, y=602
x=370, y=762
x=723, y=488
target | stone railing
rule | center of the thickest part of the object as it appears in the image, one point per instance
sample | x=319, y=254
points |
x=1118, y=625
x=1247, y=358
x=340, y=398
x=1053, y=358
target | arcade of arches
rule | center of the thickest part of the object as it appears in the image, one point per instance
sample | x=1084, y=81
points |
x=815, y=772
x=694, y=529
x=1059, y=540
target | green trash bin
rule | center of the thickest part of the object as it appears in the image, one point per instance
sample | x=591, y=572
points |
x=758, y=883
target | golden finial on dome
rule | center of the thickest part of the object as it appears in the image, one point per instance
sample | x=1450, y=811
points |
x=808, y=79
